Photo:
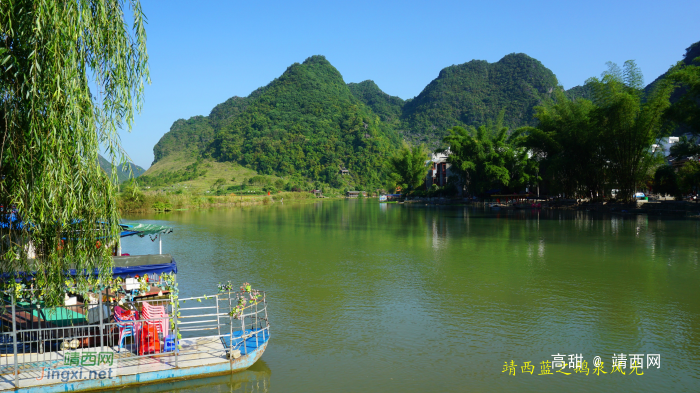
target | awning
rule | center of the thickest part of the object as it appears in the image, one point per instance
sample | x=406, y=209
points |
x=141, y=229
x=129, y=266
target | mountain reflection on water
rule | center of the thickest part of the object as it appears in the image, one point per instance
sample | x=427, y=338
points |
x=386, y=297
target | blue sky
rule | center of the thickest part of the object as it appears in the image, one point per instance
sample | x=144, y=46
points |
x=204, y=52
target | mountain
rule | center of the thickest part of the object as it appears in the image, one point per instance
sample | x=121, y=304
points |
x=122, y=171
x=474, y=93
x=306, y=123
x=691, y=53
x=388, y=108
x=579, y=92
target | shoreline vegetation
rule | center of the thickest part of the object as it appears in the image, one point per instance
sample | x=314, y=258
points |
x=158, y=201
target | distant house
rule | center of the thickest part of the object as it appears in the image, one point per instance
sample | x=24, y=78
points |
x=344, y=171
x=438, y=169
x=355, y=194
x=317, y=193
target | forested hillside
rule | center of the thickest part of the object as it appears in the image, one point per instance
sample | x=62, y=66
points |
x=474, y=93
x=691, y=53
x=304, y=124
x=387, y=107
x=307, y=123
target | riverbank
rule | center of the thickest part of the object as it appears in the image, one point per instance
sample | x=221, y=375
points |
x=141, y=202
x=654, y=208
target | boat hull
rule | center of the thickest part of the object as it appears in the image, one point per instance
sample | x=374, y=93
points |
x=152, y=374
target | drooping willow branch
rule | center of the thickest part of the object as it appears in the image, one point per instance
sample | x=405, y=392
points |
x=71, y=75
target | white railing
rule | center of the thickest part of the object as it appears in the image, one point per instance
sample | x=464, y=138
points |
x=34, y=338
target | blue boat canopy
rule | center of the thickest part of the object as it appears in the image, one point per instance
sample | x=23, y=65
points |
x=129, y=266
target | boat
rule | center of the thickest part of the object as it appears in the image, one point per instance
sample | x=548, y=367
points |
x=136, y=330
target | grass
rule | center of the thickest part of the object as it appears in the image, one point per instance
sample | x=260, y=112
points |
x=220, y=185
x=215, y=170
x=138, y=201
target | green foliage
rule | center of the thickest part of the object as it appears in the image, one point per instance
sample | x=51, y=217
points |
x=388, y=108
x=306, y=122
x=588, y=147
x=161, y=206
x=578, y=92
x=487, y=158
x=682, y=115
x=628, y=124
x=190, y=172
x=259, y=180
x=689, y=177
x=71, y=74
x=569, y=147
x=666, y=181
x=685, y=147
x=407, y=168
x=192, y=135
x=686, y=109
x=476, y=92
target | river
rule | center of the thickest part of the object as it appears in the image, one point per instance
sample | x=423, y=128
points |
x=395, y=298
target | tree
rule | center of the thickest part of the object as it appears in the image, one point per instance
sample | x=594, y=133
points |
x=568, y=147
x=689, y=177
x=71, y=75
x=488, y=158
x=407, y=168
x=685, y=147
x=666, y=181
x=628, y=124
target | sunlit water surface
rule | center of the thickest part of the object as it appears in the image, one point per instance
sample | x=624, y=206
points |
x=369, y=297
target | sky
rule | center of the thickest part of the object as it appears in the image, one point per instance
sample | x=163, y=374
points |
x=203, y=52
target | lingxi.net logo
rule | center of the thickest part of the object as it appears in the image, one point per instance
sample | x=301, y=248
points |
x=77, y=366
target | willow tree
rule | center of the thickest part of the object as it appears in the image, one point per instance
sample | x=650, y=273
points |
x=71, y=75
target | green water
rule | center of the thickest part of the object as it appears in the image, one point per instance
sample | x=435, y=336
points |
x=366, y=297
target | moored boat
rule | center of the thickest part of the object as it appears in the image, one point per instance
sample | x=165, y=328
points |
x=134, y=329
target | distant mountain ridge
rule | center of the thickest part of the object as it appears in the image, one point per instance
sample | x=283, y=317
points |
x=474, y=93
x=309, y=122
x=122, y=170
x=305, y=123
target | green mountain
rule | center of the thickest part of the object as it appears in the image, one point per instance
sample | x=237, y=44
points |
x=691, y=53
x=306, y=123
x=388, y=108
x=122, y=170
x=474, y=93
x=192, y=136
x=579, y=92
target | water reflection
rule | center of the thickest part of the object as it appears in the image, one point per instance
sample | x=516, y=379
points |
x=254, y=380
x=386, y=297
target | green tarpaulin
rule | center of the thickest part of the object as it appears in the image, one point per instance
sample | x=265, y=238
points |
x=141, y=229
